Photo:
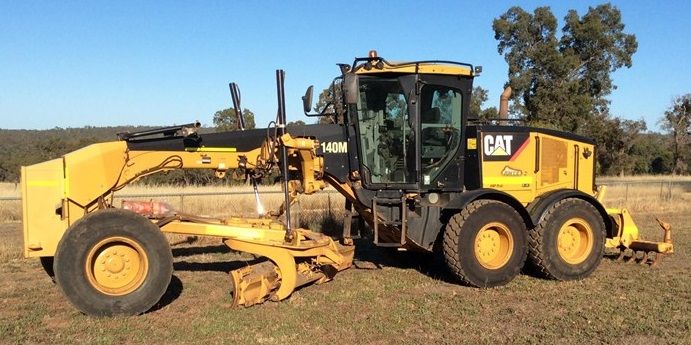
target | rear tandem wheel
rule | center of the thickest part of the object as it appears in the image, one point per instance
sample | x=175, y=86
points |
x=568, y=243
x=485, y=244
x=113, y=262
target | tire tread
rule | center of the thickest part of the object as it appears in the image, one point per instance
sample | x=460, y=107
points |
x=452, y=235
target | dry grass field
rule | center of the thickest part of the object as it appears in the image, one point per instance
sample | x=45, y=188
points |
x=388, y=298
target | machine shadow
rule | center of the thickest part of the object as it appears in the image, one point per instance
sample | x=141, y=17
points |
x=175, y=287
x=225, y=265
x=368, y=256
x=190, y=251
x=172, y=293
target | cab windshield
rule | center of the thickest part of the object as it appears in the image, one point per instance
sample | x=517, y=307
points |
x=387, y=140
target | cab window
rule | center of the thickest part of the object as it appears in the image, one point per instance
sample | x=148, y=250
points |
x=440, y=121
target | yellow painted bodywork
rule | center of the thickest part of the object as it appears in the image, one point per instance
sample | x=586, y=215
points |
x=548, y=163
x=561, y=165
x=43, y=192
x=57, y=193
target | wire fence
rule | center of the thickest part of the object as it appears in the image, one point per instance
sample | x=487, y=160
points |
x=330, y=201
x=180, y=194
x=665, y=190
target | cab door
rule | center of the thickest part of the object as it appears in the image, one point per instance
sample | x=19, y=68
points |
x=387, y=134
x=442, y=101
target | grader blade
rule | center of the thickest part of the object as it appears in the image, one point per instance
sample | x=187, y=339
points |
x=627, y=240
x=310, y=258
x=254, y=284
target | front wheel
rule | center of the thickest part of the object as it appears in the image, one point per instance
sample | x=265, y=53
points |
x=485, y=244
x=113, y=262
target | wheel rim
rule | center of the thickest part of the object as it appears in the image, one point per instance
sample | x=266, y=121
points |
x=493, y=245
x=575, y=241
x=116, y=266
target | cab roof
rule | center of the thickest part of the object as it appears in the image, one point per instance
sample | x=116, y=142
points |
x=373, y=64
x=423, y=67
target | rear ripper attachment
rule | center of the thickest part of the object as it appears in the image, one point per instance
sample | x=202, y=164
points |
x=626, y=238
x=633, y=249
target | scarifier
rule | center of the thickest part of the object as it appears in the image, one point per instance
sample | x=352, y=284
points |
x=402, y=149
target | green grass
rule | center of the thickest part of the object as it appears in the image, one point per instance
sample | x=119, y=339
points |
x=393, y=298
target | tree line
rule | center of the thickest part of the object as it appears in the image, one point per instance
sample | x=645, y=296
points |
x=560, y=79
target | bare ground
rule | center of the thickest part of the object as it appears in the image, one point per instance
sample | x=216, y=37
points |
x=389, y=299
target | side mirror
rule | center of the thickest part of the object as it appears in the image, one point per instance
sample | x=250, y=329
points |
x=307, y=99
x=350, y=88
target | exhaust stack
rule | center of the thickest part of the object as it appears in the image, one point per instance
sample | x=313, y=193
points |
x=504, y=105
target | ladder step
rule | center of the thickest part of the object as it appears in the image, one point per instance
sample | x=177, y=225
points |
x=394, y=222
x=388, y=244
x=401, y=203
x=386, y=201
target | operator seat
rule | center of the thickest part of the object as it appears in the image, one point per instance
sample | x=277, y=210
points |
x=431, y=136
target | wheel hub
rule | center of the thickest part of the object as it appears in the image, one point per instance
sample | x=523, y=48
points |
x=493, y=245
x=575, y=241
x=116, y=266
x=487, y=244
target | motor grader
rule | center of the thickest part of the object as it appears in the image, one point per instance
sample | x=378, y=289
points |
x=404, y=151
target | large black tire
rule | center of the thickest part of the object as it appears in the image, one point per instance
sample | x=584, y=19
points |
x=485, y=244
x=113, y=261
x=568, y=243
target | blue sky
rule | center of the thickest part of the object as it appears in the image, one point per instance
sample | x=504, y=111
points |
x=98, y=63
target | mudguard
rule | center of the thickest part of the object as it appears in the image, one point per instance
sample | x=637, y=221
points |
x=539, y=206
x=467, y=197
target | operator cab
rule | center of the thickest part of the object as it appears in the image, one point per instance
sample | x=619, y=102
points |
x=408, y=119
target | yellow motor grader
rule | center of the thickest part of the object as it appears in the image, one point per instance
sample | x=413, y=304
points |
x=404, y=152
